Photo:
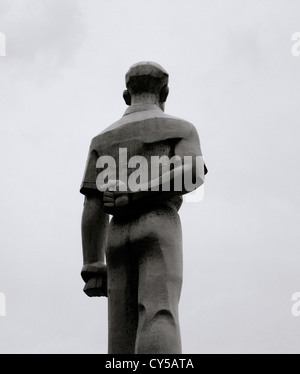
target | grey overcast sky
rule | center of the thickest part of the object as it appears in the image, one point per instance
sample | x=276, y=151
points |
x=233, y=75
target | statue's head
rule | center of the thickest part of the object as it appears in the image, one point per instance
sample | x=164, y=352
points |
x=147, y=79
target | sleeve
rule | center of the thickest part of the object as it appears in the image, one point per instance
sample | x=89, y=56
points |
x=88, y=184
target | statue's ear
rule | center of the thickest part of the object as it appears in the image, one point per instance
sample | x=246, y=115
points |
x=164, y=93
x=127, y=97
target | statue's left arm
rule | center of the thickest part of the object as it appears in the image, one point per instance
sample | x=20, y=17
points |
x=94, y=226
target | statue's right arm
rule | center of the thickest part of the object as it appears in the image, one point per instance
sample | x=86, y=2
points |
x=94, y=227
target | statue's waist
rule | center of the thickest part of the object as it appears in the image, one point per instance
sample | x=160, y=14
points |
x=142, y=206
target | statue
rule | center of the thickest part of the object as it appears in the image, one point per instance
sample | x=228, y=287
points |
x=142, y=243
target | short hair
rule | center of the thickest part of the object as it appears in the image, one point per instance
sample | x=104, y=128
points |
x=146, y=77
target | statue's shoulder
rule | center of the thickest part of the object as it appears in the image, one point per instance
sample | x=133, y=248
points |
x=149, y=127
x=179, y=122
x=108, y=133
x=115, y=126
x=181, y=126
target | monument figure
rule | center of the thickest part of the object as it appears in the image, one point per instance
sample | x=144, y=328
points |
x=142, y=243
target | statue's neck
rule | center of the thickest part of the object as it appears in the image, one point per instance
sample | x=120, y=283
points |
x=147, y=99
x=142, y=107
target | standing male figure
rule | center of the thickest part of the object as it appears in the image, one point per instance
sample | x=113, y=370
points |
x=142, y=242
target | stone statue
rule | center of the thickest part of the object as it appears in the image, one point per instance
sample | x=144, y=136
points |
x=142, y=243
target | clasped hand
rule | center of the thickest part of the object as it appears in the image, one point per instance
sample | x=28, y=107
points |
x=112, y=196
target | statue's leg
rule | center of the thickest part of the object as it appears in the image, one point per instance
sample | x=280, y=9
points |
x=122, y=291
x=158, y=245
